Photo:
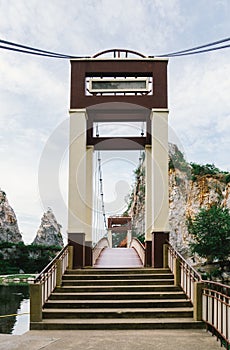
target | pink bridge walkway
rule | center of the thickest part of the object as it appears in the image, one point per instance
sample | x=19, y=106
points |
x=118, y=258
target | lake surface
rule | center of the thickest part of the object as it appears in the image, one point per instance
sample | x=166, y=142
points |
x=14, y=300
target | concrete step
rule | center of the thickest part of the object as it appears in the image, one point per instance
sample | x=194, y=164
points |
x=118, y=295
x=116, y=271
x=117, y=276
x=118, y=313
x=116, y=324
x=149, y=303
x=120, y=282
x=117, y=288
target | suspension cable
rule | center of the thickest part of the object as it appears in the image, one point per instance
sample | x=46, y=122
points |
x=189, y=51
x=9, y=45
x=101, y=182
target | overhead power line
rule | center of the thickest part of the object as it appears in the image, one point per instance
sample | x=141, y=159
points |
x=11, y=46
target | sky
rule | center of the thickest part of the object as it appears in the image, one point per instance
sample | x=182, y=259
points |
x=34, y=91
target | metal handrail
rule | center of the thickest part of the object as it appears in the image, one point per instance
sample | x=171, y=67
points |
x=101, y=244
x=48, y=277
x=176, y=254
x=215, y=297
x=47, y=268
x=139, y=248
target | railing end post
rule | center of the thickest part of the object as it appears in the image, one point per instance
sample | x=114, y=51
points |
x=177, y=271
x=197, y=305
x=59, y=273
x=70, y=257
x=36, y=302
x=165, y=255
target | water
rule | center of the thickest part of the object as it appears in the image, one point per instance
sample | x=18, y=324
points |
x=14, y=300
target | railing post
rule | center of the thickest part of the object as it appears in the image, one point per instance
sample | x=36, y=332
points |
x=35, y=302
x=59, y=273
x=176, y=271
x=197, y=305
x=165, y=255
x=70, y=257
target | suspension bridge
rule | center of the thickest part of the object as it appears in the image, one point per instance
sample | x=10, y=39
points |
x=92, y=285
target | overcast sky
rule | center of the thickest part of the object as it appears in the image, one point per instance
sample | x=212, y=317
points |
x=34, y=91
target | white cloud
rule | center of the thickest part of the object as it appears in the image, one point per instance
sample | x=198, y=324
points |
x=34, y=91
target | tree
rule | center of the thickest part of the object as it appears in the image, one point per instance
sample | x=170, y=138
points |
x=210, y=230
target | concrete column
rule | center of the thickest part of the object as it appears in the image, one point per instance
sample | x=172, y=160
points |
x=159, y=131
x=35, y=302
x=77, y=185
x=89, y=205
x=148, y=194
x=77, y=172
x=129, y=238
x=148, y=206
x=159, y=121
x=197, y=305
x=110, y=238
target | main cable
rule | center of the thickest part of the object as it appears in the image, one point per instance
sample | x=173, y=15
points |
x=11, y=46
x=177, y=53
x=34, y=51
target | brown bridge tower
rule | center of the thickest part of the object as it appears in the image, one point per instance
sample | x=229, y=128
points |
x=126, y=87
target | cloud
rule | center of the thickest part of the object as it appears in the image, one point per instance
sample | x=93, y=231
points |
x=199, y=104
x=34, y=91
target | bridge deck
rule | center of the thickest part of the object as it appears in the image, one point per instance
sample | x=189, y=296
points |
x=118, y=258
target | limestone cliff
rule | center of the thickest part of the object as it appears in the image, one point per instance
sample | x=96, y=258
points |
x=191, y=187
x=9, y=230
x=49, y=231
x=187, y=196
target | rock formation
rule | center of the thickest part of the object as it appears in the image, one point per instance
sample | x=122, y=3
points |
x=9, y=231
x=188, y=193
x=49, y=231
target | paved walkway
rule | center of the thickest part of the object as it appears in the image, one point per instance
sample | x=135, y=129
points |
x=118, y=258
x=111, y=340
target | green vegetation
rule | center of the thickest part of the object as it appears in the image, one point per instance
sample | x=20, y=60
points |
x=210, y=230
x=17, y=257
x=208, y=169
x=141, y=237
x=177, y=161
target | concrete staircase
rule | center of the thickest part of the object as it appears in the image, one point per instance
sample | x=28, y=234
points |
x=117, y=299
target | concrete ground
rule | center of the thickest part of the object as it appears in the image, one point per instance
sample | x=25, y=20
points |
x=111, y=340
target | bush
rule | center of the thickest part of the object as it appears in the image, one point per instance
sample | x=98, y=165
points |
x=227, y=178
x=29, y=258
x=207, y=169
x=210, y=230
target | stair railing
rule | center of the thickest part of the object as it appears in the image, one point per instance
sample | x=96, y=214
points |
x=47, y=280
x=140, y=249
x=211, y=300
x=101, y=244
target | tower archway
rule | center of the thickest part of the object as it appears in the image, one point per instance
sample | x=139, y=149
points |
x=125, y=87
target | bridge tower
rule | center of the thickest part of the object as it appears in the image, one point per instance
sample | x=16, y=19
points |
x=127, y=87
